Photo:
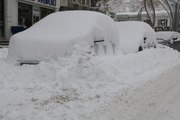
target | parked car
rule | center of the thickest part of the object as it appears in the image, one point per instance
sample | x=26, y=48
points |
x=57, y=34
x=167, y=37
x=135, y=36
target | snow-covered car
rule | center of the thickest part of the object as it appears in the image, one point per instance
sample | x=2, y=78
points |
x=57, y=35
x=135, y=36
x=167, y=37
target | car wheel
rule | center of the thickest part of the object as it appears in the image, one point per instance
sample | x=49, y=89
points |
x=140, y=49
x=155, y=46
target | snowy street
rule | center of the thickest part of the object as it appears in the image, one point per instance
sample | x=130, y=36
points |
x=89, y=59
x=161, y=97
x=138, y=86
x=157, y=99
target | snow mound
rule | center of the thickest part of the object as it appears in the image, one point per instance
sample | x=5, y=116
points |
x=80, y=86
x=57, y=34
x=132, y=34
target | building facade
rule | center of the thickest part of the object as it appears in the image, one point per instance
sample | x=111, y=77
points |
x=78, y=5
x=1, y=18
x=23, y=13
x=162, y=21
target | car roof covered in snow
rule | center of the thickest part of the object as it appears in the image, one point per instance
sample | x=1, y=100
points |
x=56, y=34
x=132, y=33
x=167, y=35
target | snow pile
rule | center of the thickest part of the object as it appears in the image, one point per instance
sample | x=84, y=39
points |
x=79, y=86
x=57, y=34
x=132, y=34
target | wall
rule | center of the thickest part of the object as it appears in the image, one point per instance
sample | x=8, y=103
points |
x=11, y=13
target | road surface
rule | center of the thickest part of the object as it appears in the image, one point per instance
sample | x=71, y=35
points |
x=157, y=99
x=176, y=46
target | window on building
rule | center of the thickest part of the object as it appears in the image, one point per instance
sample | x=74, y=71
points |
x=148, y=22
x=94, y=3
x=36, y=14
x=45, y=12
x=1, y=18
x=83, y=2
x=24, y=15
x=88, y=2
x=79, y=1
x=162, y=22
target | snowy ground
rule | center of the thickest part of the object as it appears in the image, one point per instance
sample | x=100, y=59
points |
x=85, y=87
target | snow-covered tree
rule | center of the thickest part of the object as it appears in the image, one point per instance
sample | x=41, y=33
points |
x=150, y=6
x=129, y=5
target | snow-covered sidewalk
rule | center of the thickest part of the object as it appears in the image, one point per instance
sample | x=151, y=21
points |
x=85, y=87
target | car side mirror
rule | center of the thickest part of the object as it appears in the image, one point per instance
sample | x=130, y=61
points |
x=175, y=38
x=145, y=38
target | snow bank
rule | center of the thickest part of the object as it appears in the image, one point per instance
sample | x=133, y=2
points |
x=55, y=35
x=132, y=34
x=79, y=86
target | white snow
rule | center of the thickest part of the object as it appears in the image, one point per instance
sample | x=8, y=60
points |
x=85, y=87
x=167, y=35
x=132, y=34
x=57, y=35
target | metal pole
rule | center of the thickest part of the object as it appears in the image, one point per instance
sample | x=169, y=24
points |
x=152, y=18
x=139, y=16
x=170, y=15
x=177, y=15
x=170, y=9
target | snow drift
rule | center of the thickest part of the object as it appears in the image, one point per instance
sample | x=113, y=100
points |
x=84, y=87
x=57, y=34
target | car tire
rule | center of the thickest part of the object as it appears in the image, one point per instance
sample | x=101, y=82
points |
x=154, y=46
x=140, y=49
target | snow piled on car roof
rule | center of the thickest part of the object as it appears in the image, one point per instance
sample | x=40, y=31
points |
x=57, y=34
x=167, y=35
